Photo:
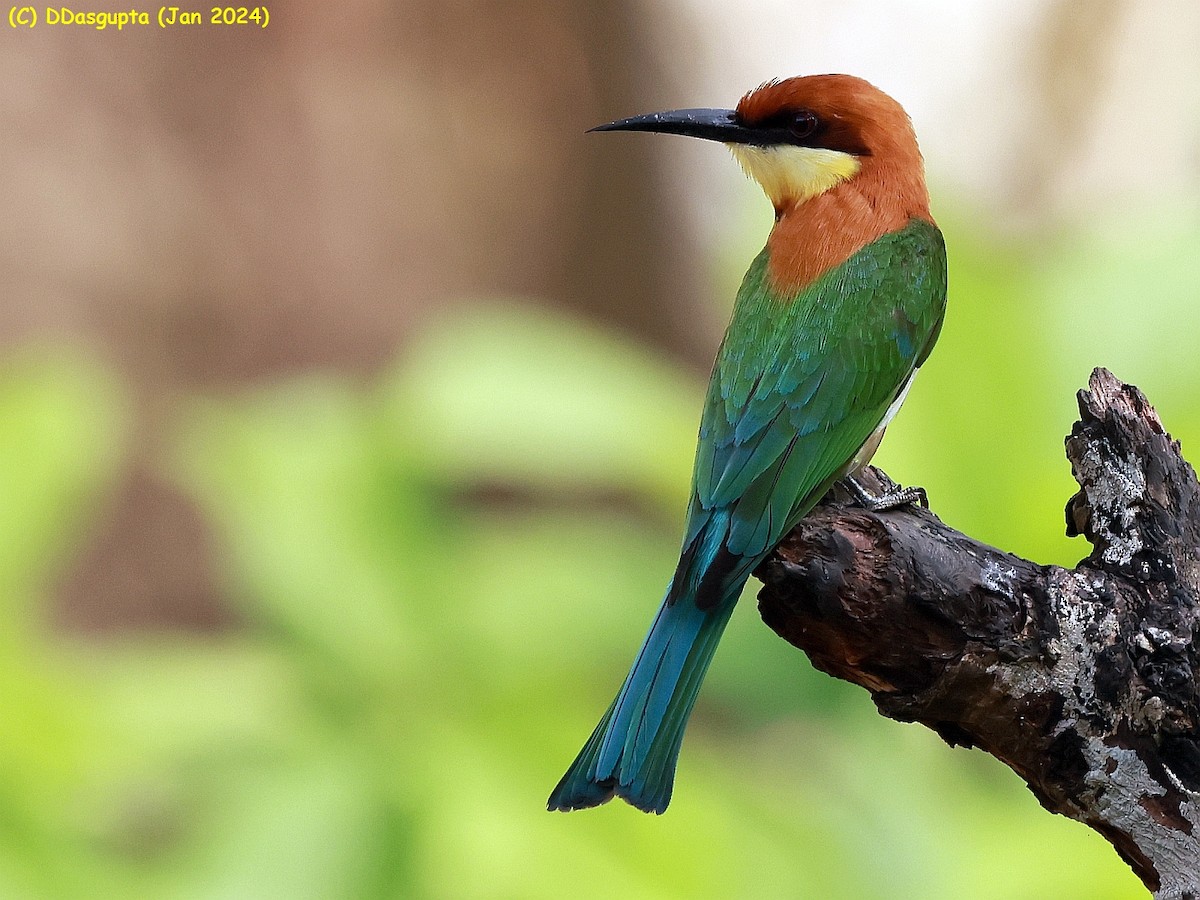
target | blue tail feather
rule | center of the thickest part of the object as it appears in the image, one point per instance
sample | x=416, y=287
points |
x=633, y=750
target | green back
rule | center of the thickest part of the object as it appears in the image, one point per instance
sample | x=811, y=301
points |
x=800, y=384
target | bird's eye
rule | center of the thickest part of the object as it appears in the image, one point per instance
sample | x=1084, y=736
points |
x=803, y=124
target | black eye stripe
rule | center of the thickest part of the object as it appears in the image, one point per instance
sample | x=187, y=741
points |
x=791, y=126
x=789, y=119
x=804, y=128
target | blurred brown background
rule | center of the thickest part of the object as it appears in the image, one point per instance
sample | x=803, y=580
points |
x=246, y=204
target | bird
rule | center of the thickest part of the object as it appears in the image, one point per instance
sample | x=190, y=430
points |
x=832, y=320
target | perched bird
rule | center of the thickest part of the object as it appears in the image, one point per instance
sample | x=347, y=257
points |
x=832, y=321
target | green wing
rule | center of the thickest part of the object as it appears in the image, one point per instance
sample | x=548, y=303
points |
x=799, y=385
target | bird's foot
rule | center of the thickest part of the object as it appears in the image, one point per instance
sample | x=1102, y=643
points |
x=893, y=495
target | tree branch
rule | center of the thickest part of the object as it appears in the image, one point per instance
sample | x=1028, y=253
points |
x=1083, y=681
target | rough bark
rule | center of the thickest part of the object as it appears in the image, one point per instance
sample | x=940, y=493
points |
x=1083, y=681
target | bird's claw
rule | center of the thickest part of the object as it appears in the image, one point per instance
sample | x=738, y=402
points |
x=894, y=495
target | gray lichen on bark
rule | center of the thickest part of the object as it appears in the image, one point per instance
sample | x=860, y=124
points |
x=1083, y=681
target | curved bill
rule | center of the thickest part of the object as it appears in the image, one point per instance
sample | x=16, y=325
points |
x=709, y=124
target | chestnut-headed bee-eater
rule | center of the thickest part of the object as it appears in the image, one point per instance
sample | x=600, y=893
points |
x=832, y=321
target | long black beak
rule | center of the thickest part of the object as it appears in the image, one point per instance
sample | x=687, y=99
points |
x=709, y=124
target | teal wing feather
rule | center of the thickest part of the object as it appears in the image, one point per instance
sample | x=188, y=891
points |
x=800, y=384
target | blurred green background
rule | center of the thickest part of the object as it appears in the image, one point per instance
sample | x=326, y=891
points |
x=347, y=404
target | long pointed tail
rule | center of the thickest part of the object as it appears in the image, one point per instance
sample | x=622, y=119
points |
x=632, y=752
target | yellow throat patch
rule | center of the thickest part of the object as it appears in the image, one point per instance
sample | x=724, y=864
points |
x=787, y=172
